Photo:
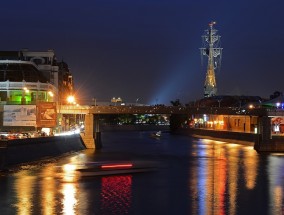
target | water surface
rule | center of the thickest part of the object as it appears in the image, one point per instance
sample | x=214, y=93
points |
x=192, y=176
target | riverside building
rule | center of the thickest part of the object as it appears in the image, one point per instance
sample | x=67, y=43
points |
x=32, y=84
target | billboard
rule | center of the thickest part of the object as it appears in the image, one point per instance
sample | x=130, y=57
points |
x=277, y=124
x=19, y=115
x=46, y=114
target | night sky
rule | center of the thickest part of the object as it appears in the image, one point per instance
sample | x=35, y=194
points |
x=149, y=49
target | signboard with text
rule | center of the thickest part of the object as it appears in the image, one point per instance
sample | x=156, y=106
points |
x=19, y=115
x=46, y=114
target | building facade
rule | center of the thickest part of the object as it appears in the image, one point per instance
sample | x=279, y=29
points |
x=32, y=85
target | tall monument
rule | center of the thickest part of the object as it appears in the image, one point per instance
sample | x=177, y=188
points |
x=211, y=48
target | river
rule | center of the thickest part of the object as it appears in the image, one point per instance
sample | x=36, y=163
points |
x=190, y=176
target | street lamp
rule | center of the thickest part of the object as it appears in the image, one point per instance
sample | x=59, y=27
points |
x=251, y=106
x=71, y=99
x=25, y=91
x=50, y=93
x=219, y=101
x=115, y=100
x=50, y=96
x=94, y=101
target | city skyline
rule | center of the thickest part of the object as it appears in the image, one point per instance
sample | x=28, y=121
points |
x=149, y=50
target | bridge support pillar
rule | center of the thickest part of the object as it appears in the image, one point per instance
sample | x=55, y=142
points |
x=97, y=133
x=88, y=136
x=265, y=142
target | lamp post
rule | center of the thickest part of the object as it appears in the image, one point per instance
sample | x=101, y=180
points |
x=71, y=101
x=50, y=95
x=219, y=101
x=25, y=91
x=94, y=100
x=115, y=100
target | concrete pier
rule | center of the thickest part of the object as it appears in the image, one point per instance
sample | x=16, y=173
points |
x=88, y=135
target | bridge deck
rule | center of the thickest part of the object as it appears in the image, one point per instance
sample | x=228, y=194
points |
x=73, y=109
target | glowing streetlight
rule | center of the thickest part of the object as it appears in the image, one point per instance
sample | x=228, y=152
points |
x=50, y=93
x=26, y=90
x=71, y=99
x=115, y=100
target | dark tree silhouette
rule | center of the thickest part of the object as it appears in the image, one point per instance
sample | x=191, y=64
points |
x=176, y=103
x=275, y=94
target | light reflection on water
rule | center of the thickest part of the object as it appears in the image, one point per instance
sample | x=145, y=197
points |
x=48, y=186
x=276, y=180
x=116, y=194
x=215, y=169
x=69, y=201
x=216, y=177
x=24, y=192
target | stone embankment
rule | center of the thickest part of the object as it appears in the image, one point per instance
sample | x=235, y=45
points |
x=13, y=152
x=227, y=136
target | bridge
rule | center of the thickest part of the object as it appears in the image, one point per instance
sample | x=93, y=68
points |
x=247, y=116
x=258, y=118
x=159, y=109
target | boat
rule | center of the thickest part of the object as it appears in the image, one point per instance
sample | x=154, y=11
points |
x=115, y=168
x=156, y=134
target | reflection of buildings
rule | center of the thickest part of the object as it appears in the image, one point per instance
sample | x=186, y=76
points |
x=276, y=192
x=218, y=177
x=29, y=78
x=24, y=193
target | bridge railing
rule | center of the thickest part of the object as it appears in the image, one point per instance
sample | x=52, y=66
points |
x=86, y=109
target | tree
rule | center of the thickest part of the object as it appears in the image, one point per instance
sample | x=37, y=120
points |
x=176, y=103
x=275, y=95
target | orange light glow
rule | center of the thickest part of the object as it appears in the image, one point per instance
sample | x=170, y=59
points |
x=116, y=166
x=71, y=99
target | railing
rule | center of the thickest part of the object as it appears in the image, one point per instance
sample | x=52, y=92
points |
x=8, y=85
x=168, y=110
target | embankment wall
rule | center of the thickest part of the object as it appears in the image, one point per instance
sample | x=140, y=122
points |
x=235, y=137
x=33, y=149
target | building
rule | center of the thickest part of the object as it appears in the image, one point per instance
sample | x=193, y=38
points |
x=65, y=82
x=32, y=84
x=22, y=83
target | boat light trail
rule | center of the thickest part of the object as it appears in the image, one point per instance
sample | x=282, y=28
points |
x=116, y=166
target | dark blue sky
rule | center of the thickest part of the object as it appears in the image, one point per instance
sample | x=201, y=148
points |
x=149, y=49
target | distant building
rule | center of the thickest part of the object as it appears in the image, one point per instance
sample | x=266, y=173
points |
x=65, y=82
